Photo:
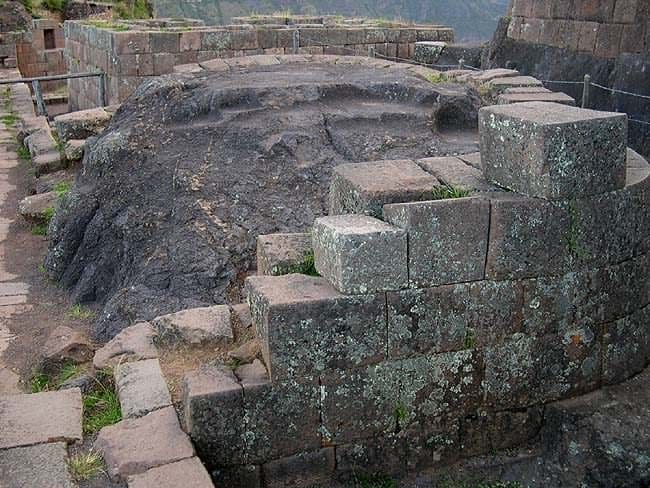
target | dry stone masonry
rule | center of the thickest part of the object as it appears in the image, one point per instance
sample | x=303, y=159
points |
x=438, y=321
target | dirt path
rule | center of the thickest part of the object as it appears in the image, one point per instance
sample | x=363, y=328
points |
x=30, y=306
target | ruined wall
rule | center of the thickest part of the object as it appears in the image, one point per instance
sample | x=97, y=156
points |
x=604, y=28
x=42, y=53
x=440, y=328
x=132, y=52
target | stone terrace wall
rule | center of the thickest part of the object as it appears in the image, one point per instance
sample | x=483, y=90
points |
x=604, y=28
x=440, y=328
x=35, y=58
x=131, y=52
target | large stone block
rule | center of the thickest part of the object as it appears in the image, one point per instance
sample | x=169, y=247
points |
x=305, y=469
x=553, y=151
x=305, y=325
x=447, y=239
x=360, y=254
x=457, y=173
x=386, y=455
x=626, y=347
x=364, y=188
x=278, y=254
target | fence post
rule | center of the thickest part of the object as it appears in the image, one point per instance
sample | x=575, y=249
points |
x=371, y=51
x=585, y=91
x=40, y=102
x=296, y=41
x=103, y=99
x=461, y=63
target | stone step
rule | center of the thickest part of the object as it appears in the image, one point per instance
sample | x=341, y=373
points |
x=195, y=326
x=279, y=253
x=141, y=388
x=40, y=418
x=42, y=466
x=556, y=97
x=188, y=472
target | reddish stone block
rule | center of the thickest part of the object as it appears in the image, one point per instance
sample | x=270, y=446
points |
x=131, y=43
x=165, y=42
x=190, y=41
x=587, y=36
x=625, y=11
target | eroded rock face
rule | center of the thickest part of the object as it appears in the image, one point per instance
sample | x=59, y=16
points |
x=172, y=196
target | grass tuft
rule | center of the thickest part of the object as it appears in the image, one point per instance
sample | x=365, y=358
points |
x=62, y=189
x=101, y=405
x=447, y=192
x=306, y=267
x=86, y=465
x=39, y=230
x=23, y=153
x=9, y=120
x=79, y=312
x=436, y=78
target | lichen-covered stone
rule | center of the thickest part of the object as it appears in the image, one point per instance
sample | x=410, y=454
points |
x=455, y=172
x=527, y=370
x=360, y=254
x=279, y=253
x=364, y=188
x=447, y=239
x=435, y=442
x=385, y=455
x=305, y=325
x=553, y=151
x=305, y=469
x=626, y=347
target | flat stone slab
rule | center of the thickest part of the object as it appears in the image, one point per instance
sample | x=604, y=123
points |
x=555, y=97
x=134, y=446
x=278, y=253
x=360, y=254
x=553, y=151
x=134, y=343
x=9, y=382
x=501, y=84
x=40, y=466
x=40, y=418
x=196, y=326
x=141, y=388
x=457, y=173
x=36, y=207
x=188, y=472
x=82, y=124
x=364, y=188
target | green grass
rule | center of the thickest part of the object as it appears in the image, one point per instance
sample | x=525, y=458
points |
x=101, y=405
x=447, y=192
x=79, y=312
x=133, y=9
x=306, y=267
x=39, y=382
x=10, y=120
x=85, y=466
x=23, y=153
x=39, y=230
x=470, y=339
x=62, y=189
x=42, y=381
x=54, y=5
x=48, y=215
x=436, y=78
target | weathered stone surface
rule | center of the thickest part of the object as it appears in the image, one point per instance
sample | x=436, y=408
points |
x=47, y=183
x=552, y=97
x=492, y=74
x=188, y=472
x=254, y=373
x=48, y=162
x=305, y=469
x=428, y=52
x=305, y=325
x=9, y=382
x=196, y=326
x=553, y=151
x=85, y=382
x=528, y=238
x=364, y=188
x=40, y=141
x=626, y=347
x=499, y=85
x=433, y=443
x=40, y=418
x=74, y=150
x=134, y=343
x=447, y=239
x=386, y=454
x=141, y=388
x=213, y=414
x=133, y=446
x=456, y=173
x=37, y=207
x=279, y=253
x=247, y=352
x=42, y=466
x=66, y=344
x=360, y=254
x=82, y=124
x=517, y=375
x=241, y=315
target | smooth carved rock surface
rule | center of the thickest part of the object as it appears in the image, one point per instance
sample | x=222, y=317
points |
x=133, y=446
x=360, y=254
x=40, y=418
x=196, y=326
x=176, y=234
x=553, y=151
x=364, y=188
x=132, y=344
x=188, y=472
x=141, y=388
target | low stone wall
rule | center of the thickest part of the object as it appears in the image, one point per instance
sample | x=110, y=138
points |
x=42, y=53
x=134, y=51
x=458, y=296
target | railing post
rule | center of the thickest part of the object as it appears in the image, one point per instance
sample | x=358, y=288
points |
x=103, y=99
x=371, y=51
x=585, y=91
x=296, y=41
x=40, y=102
x=461, y=64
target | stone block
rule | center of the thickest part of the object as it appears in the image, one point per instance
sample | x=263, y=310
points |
x=360, y=254
x=553, y=151
x=74, y=150
x=188, y=472
x=37, y=208
x=626, y=347
x=278, y=254
x=67, y=344
x=434, y=443
x=213, y=415
x=306, y=325
x=428, y=52
x=190, y=41
x=608, y=40
x=447, y=239
x=365, y=188
x=165, y=42
x=249, y=476
x=528, y=238
x=216, y=40
x=38, y=418
x=244, y=39
x=386, y=455
x=163, y=63
x=282, y=419
x=587, y=36
x=625, y=11
x=499, y=85
x=82, y=124
x=134, y=343
x=196, y=326
x=552, y=97
x=141, y=388
x=527, y=370
x=42, y=466
x=305, y=469
x=134, y=446
x=131, y=42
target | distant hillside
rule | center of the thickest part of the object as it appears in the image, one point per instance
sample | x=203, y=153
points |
x=473, y=20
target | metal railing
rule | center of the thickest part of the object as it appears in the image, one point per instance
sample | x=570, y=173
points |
x=41, y=108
